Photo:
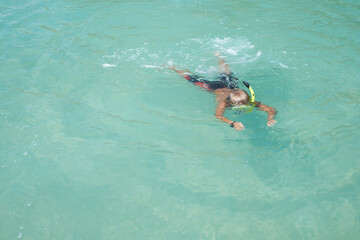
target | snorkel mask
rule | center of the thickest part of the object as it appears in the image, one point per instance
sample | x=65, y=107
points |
x=247, y=108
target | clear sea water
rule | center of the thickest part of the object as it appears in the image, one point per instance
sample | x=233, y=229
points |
x=98, y=141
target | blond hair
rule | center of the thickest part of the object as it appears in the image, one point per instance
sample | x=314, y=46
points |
x=239, y=97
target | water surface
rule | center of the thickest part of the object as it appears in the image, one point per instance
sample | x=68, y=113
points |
x=99, y=141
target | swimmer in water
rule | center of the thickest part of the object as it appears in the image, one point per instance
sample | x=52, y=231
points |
x=228, y=94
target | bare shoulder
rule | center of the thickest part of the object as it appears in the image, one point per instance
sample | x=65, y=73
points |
x=222, y=94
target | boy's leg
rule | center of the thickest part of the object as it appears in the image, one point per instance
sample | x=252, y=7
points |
x=226, y=76
x=224, y=68
x=184, y=73
x=195, y=79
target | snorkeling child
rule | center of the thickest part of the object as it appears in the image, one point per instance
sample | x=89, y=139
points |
x=228, y=94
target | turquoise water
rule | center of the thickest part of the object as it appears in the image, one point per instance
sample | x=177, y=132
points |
x=100, y=142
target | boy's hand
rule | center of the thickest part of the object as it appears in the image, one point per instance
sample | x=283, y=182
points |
x=238, y=126
x=271, y=122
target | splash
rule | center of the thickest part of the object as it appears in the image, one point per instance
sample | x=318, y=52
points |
x=197, y=53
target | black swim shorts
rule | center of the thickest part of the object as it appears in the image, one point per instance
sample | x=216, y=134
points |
x=202, y=82
x=228, y=79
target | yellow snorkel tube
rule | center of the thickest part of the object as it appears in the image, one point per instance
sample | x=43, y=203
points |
x=252, y=99
x=247, y=108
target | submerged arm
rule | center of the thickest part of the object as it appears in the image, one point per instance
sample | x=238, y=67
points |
x=270, y=111
x=220, y=115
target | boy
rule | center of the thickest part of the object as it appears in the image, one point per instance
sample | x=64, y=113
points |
x=227, y=94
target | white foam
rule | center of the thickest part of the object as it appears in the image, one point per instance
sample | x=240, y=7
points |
x=232, y=51
x=283, y=65
x=111, y=56
x=231, y=46
x=19, y=235
x=195, y=39
x=150, y=66
x=107, y=65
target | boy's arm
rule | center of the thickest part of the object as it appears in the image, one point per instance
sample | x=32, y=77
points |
x=219, y=115
x=270, y=111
